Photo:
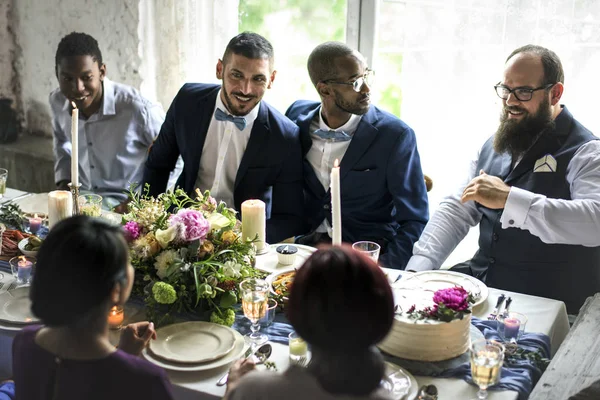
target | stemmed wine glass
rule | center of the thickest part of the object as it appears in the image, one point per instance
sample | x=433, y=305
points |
x=486, y=364
x=255, y=295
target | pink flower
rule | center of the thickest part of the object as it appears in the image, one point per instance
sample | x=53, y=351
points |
x=133, y=230
x=195, y=225
x=456, y=298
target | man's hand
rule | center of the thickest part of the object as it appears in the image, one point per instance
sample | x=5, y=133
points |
x=134, y=337
x=489, y=191
x=237, y=370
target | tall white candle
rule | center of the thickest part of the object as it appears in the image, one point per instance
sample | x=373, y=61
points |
x=60, y=206
x=74, y=146
x=336, y=205
x=254, y=222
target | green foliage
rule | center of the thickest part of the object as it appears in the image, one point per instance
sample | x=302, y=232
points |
x=12, y=216
x=223, y=317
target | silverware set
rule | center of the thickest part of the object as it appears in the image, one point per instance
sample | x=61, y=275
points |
x=497, y=310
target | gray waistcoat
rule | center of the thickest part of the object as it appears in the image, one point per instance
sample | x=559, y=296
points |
x=513, y=258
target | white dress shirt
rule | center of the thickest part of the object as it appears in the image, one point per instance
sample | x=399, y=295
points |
x=222, y=154
x=324, y=152
x=575, y=221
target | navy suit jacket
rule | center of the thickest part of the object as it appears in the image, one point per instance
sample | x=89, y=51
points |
x=270, y=170
x=383, y=192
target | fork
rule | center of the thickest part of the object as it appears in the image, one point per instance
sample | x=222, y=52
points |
x=506, y=307
x=494, y=315
x=302, y=361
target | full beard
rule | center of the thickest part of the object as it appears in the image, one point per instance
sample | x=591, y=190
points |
x=516, y=137
x=244, y=108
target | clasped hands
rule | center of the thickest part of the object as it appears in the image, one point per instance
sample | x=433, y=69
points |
x=489, y=191
x=135, y=337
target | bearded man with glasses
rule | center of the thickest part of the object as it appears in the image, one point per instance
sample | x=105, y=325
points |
x=534, y=190
x=383, y=194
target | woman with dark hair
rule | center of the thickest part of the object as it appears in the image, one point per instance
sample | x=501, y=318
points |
x=342, y=305
x=82, y=271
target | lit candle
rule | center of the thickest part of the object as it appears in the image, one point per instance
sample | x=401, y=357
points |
x=35, y=223
x=254, y=222
x=115, y=317
x=24, y=270
x=74, y=146
x=60, y=206
x=336, y=206
x=511, y=328
x=298, y=347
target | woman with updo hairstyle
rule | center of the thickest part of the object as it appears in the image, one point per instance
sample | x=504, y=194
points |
x=341, y=303
x=82, y=271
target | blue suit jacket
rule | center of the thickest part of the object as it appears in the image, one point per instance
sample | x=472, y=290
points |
x=383, y=192
x=270, y=170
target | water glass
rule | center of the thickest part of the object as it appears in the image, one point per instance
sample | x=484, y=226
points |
x=90, y=205
x=298, y=349
x=269, y=317
x=255, y=294
x=3, y=176
x=370, y=249
x=487, y=357
x=22, y=268
x=511, y=326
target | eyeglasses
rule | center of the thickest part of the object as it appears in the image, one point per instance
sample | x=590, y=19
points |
x=359, y=82
x=521, y=93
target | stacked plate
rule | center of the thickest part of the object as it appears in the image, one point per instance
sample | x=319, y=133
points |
x=15, y=309
x=195, y=346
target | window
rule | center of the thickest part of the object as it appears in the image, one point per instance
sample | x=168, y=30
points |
x=294, y=28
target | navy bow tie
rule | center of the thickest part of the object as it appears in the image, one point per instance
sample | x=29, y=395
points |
x=336, y=136
x=221, y=115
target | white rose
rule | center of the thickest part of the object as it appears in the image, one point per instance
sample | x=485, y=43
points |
x=217, y=221
x=164, y=237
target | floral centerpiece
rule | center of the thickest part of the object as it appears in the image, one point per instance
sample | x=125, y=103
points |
x=188, y=254
x=449, y=304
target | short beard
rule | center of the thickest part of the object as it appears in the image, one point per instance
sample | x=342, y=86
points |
x=352, y=108
x=516, y=137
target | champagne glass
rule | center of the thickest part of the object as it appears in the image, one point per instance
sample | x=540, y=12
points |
x=255, y=295
x=486, y=364
x=3, y=176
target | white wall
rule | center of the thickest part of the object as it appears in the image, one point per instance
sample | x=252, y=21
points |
x=39, y=26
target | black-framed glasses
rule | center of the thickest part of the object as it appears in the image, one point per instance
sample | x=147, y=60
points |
x=521, y=93
x=358, y=83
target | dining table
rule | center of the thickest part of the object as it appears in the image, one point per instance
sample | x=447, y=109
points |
x=544, y=315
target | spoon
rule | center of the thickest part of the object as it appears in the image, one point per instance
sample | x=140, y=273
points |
x=258, y=357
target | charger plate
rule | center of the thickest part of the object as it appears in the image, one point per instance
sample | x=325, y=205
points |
x=16, y=307
x=238, y=350
x=193, y=342
x=441, y=279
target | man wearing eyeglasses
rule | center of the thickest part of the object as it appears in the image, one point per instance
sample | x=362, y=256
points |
x=534, y=190
x=383, y=195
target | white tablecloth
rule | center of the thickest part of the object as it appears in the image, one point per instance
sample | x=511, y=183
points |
x=545, y=316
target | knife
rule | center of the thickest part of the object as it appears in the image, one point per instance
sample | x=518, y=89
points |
x=249, y=353
x=494, y=313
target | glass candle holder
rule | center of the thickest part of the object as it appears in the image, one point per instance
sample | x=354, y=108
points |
x=511, y=326
x=35, y=223
x=90, y=205
x=22, y=268
x=116, y=316
x=370, y=249
x=298, y=349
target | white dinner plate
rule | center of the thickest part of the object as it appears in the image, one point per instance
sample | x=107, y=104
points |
x=15, y=307
x=270, y=263
x=238, y=350
x=398, y=382
x=193, y=342
x=442, y=279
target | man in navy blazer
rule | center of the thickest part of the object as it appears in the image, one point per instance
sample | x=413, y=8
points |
x=232, y=142
x=383, y=194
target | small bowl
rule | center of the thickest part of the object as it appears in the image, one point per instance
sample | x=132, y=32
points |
x=286, y=254
x=28, y=253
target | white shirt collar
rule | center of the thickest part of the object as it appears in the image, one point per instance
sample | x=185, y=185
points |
x=349, y=127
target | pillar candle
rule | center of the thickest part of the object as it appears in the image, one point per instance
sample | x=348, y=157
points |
x=74, y=146
x=60, y=206
x=24, y=267
x=35, y=223
x=511, y=328
x=336, y=206
x=254, y=222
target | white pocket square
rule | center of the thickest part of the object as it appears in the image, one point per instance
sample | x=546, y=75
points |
x=545, y=164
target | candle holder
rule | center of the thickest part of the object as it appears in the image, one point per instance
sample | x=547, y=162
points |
x=511, y=326
x=22, y=268
x=75, y=194
x=116, y=316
